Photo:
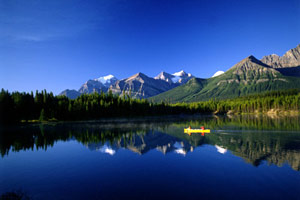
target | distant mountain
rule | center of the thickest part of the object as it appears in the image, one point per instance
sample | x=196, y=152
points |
x=182, y=77
x=176, y=78
x=91, y=86
x=72, y=94
x=107, y=81
x=288, y=64
x=138, y=85
x=165, y=77
x=141, y=86
x=98, y=84
x=246, y=77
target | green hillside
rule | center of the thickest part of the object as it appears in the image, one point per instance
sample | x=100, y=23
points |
x=193, y=86
x=249, y=76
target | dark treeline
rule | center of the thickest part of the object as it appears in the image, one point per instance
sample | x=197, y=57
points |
x=288, y=100
x=42, y=106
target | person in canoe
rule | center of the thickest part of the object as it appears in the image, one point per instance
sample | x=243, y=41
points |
x=202, y=127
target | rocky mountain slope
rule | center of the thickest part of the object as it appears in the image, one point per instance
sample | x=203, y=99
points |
x=290, y=59
x=288, y=64
x=138, y=85
x=97, y=85
x=165, y=77
x=91, y=86
x=107, y=81
x=141, y=86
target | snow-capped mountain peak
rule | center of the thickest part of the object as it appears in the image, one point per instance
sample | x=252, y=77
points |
x=181, y=77
x=165, y=77
x=105, y=79
x=181, y=73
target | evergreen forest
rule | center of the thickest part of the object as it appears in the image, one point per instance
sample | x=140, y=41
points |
x=44, y=106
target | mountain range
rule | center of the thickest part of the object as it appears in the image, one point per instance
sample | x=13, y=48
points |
x=248, y=76
x=138, y=86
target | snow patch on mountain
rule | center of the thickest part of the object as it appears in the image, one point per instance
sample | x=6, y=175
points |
x=105, y=79
x=181, y=73
x=218, y=73
x=181, y=77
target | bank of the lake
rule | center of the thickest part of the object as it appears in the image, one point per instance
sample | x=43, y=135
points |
x=43, y=106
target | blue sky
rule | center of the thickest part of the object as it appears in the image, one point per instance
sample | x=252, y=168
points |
x=60, y=44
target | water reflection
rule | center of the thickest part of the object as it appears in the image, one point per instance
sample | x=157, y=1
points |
x=221, y=149
x=106, y=149
x=254, y=138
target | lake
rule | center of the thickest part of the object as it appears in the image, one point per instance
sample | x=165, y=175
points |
x=244, y=157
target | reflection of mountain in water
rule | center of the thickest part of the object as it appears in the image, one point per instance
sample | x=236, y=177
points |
x=106, y=148
x=254, y=139
x=254, y=147
x=141, y=144
x=220, y=149
x=276, y=149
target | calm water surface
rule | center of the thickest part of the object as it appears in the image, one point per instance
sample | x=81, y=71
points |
x=244, y=157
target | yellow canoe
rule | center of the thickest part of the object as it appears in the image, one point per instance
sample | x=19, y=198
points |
x=187, y=130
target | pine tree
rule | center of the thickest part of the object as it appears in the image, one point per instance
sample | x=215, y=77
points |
x=42, y=115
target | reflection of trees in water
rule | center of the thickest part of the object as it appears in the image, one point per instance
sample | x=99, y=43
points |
x=255, y=138
x=255, y=147
x=259, y=122
x=142, y=136
x=43, y=136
